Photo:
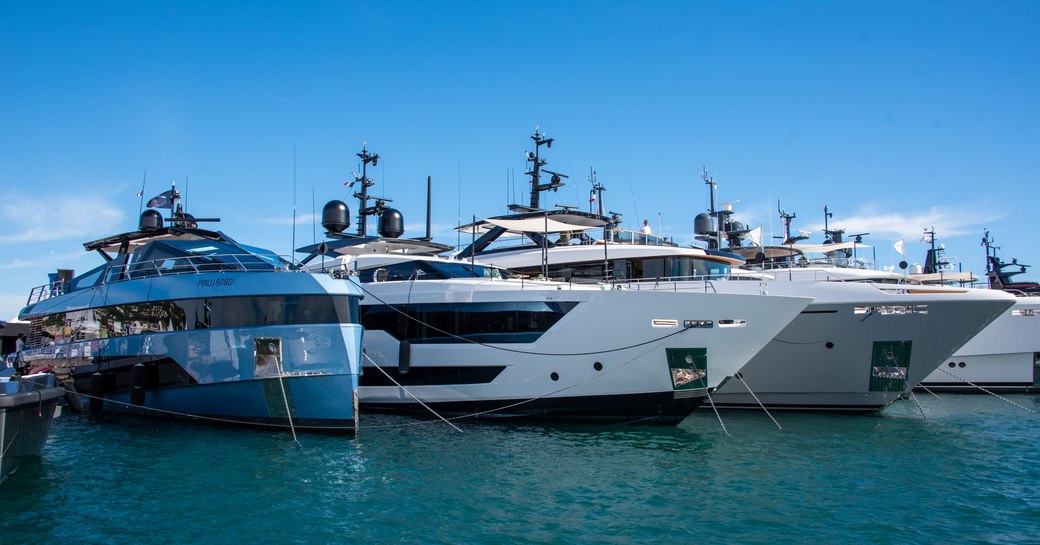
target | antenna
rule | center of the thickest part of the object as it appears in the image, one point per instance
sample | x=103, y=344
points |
x=429, y=206
x=596, y=193
x=716, y=214
x=293, y=197
x=788, y=239
x=140, y=208
x=711, y=188
x=537, y=163
x=831, y=235
x=363, y=209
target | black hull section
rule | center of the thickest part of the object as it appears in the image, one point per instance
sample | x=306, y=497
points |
x=660, y=409
x=996, y=387
x=831, y=409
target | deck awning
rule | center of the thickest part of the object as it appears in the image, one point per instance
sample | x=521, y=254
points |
x=824, y=248
x=525, y=225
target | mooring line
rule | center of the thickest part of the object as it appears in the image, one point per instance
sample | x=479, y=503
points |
x=740, y=377
x=285, y=398
x=919, y=407
x=518, y=403
x=719, y=416
x=925, y=388
x=1000, y=397
x=513, y=350
x=410, y=394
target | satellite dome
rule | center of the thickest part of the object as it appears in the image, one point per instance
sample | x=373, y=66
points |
x=703, y=224
x=335, y=216
x=391, y=223
x=150, y=220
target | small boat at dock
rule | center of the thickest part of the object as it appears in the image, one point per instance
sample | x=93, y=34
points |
x=27, y=406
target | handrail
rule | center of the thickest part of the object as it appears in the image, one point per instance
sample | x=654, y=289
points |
x=627, y=236
x=860, y=263
x=171, y=266
x=193, y=265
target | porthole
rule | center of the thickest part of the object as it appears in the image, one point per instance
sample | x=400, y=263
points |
x=555, y=376
x=961, y=364
x=829, y=344
x=952, y=365
x=597, y=366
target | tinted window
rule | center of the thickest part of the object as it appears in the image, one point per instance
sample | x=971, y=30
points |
x=224, y=312
x=507, y=322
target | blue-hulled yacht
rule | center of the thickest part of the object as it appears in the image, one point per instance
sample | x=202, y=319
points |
x=185, y=322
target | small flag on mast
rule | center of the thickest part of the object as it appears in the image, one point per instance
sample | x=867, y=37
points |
x=898, y=246
x=162, y=200
x=139, y=193
x=755, y=236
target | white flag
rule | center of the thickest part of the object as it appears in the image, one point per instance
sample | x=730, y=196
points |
x=755, y=236
x=899, y=247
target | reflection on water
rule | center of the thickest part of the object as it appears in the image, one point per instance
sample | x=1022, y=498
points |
x=966, y=471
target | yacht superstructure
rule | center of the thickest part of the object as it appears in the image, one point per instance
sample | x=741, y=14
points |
x=184, y=322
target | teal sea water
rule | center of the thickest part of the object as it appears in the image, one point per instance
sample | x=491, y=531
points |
x=965, y=472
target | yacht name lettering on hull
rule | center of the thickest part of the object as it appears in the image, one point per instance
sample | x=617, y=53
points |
x=892, y=310
x=215, y=282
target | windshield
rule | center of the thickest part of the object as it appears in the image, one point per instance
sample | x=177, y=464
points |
x=429, y=270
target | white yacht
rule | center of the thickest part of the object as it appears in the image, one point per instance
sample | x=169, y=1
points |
x=856, y=348
x=460, y=339
x=1003, y=357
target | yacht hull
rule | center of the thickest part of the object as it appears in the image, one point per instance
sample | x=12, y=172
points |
x=316, y=403
x=1003, y=357
x=841, y=356
x=824, y=360
x=26, y=411
x=614, y=356
x=137, y=350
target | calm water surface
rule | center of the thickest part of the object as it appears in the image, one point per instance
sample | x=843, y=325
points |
x=966, y=472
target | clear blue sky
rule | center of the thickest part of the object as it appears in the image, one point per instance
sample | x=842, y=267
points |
x=897, y=115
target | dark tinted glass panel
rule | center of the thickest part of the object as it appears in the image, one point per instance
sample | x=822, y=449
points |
x=87, y=279
x=427, y=376
x=673, y=268
x=428, y=270
x=225, y=312
x=507, y=322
